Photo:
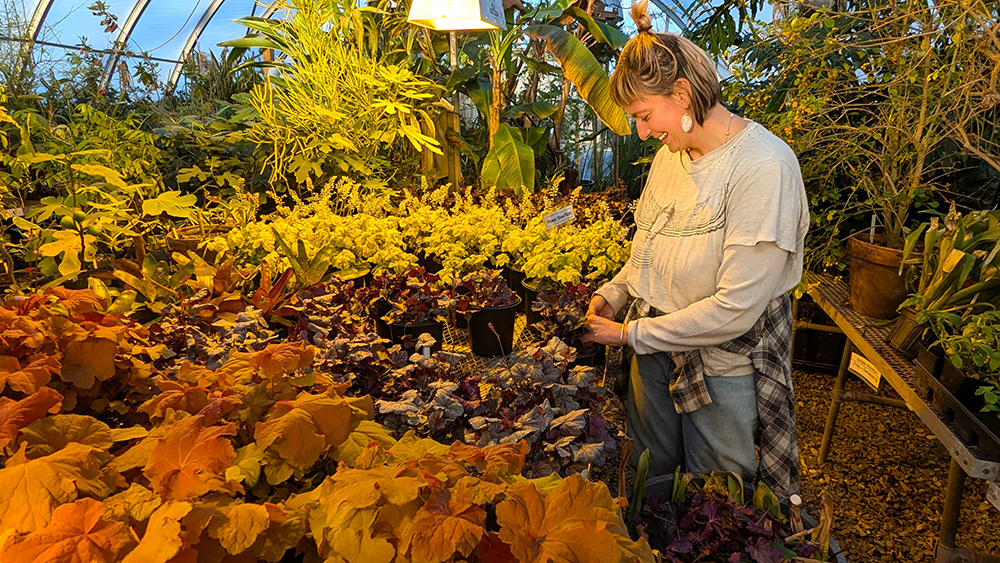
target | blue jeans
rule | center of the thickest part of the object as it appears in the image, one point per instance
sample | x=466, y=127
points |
x=716, y=437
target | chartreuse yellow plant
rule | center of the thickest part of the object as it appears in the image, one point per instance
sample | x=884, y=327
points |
x=552, y=258
x=355, y=241
x=339, y=103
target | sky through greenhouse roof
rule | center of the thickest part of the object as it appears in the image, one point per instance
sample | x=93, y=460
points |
x=165, y=30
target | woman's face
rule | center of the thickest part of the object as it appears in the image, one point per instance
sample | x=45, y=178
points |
x=660, y=117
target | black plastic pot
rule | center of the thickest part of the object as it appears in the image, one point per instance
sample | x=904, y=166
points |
x=532, y=294
x=378, y=310
x=906, y=333
x=483, y=340
x=590, y=354
x=514, y=279
x=429, y=264
x=435, y=328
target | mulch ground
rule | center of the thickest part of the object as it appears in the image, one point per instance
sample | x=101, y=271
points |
x=887, y=475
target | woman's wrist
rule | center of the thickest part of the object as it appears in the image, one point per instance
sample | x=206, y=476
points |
x=623, y=335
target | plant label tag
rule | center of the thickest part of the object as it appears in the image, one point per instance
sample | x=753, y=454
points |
x=559, y=217
x=864, y=369
x=16, y=212
x=427, y=351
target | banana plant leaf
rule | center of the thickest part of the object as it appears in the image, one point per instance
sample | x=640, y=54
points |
x=510, y=164
x=601, y=32
x=541, y=110
x=582, y=69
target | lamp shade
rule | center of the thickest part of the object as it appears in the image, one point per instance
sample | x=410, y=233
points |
x=457, y=15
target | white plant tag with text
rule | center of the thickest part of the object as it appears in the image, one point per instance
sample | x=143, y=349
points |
x=864, y=369
x=559, y=217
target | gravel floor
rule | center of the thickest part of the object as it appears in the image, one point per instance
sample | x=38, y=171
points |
x=887, y=474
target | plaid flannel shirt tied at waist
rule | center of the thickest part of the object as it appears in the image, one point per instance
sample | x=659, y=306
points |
x=768, y=345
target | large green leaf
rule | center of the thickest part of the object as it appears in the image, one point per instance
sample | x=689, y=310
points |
x=510, y=164
x=110, y=176
x=536, y=138
x=172, y=203
x=541, y=110
x=480, y=92
x=582, y=69
x=600, y=32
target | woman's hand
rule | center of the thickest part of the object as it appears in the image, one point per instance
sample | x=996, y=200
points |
x=604, y=331
x=600, y=307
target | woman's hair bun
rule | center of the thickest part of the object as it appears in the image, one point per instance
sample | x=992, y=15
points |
x=641, y=17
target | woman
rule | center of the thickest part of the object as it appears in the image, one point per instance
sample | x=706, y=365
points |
x=721, y=225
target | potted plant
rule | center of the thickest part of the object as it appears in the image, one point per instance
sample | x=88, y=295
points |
x=877, y=105
x=410, y=303
x=491, y=309
x=564, y=315
x=567, y=254
x=469, y=240
x=711, y=517
x=959, y=271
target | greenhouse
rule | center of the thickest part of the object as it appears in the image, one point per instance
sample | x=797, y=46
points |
x=498, y=281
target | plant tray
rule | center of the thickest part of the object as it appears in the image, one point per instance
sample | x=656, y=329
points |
x=968, y=425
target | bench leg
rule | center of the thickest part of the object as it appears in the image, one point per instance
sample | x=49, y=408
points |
x=838, y=397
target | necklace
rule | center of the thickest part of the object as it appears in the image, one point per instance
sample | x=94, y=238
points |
x=725, y=140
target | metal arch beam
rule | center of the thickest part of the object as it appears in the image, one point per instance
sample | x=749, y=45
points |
x=670, y=13
x=41, y=10
x=120, y=44
x=34, y=26
x=199, y=28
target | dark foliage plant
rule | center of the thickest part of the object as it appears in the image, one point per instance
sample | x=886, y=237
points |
x=709, y=525
x=484, y=289
x=564, y=315
x=416, y=297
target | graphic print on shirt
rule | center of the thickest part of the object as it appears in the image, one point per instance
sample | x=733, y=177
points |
x=654, y=219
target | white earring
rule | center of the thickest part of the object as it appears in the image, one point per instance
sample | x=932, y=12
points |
x=686, y=122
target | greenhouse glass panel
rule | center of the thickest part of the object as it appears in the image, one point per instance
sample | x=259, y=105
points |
x=165, y=26
x=224, y=28
x=70, y=23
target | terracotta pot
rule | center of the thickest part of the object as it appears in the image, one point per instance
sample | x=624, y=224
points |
x=876, y=288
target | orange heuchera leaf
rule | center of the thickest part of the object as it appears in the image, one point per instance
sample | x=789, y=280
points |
x=21, y=335
x=190, y=460
x=87, y=360
x=493, y=461
x=138, y=455
x=300, y=430
x=448, y=523
x=176, y=395
x=15, y=415
x=162, y=540
x=136, y=502
x=569, y=524
x=220, y=403
x=32, y=489
x=79, y=532
x=52, y=433
x=29, y=377
x=196, y=375
x=285, y=529
x=78, y=301
x=237, y=526
x=284, y=358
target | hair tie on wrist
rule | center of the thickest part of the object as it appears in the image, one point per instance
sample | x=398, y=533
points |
x=644, y=28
